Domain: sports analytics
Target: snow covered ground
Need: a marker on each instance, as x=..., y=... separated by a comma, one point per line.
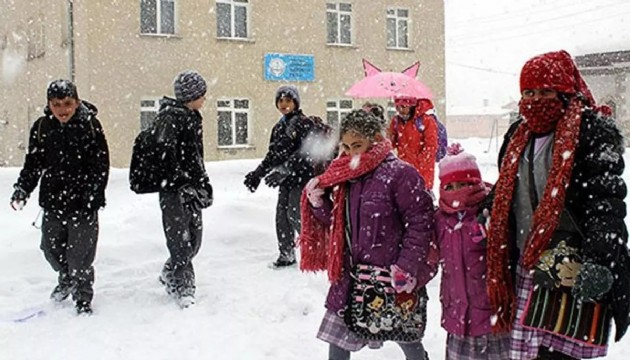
x=244, y=310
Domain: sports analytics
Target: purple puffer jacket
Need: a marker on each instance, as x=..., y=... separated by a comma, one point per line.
x=392, y=223
x=465, y=304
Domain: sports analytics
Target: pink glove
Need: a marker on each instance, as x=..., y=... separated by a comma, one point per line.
x=313, y=193
x=402, y=280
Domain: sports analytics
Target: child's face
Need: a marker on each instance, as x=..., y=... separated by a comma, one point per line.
x=353, y=143
x=403, y=109
x=456, y=185
x=63, y=109
x=285, y=105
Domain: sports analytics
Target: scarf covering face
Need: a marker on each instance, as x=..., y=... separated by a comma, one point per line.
x=555, y=71
x=463, y=199
x=321, y=248
x=541, y=115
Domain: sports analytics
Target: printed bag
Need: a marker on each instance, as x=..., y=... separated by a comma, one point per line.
x=552, y=308
x=377, y=312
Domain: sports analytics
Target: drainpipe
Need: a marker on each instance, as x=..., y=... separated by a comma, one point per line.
x=71, y=39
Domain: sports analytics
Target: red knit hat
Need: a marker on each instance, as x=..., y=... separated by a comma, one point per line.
x=458, y=165
x=556, y=71
x=405, y=101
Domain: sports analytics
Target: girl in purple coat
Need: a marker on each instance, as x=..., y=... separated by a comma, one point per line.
x=461, y=249
x=367, y=208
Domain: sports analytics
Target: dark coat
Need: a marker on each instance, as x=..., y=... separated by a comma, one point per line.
x=285, y=145
x=72, y=160
x=181, y=134
x=595, y=197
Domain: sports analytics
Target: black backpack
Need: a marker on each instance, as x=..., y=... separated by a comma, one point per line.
x=147, y=171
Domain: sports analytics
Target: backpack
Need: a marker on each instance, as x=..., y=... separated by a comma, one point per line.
x=441, y=133
x=147, y=173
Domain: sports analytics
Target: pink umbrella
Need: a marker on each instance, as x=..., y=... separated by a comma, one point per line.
x=378, y=84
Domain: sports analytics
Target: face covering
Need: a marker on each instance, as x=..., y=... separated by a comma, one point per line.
x=541, y=115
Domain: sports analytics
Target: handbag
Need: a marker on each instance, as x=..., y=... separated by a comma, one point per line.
x=377, y=312
x=551, y=306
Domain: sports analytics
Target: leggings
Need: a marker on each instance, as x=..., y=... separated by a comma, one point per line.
x=413, y=351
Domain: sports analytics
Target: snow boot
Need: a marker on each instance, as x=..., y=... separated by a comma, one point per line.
x=284, y=261
x=62, y=290
x=83, y=307
x=185, y=301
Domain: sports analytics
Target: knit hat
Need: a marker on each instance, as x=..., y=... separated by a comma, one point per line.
x=189, y=86
x=556, y=71
x=405, y=101
x=458, y=165
x=60, y=89
x=290, y=92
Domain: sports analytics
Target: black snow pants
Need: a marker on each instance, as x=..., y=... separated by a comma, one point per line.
x=183, y=228
x=69, y=245
x=288, y=222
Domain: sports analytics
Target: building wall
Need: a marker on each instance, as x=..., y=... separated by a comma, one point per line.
x=612, y=86
x=117, y=67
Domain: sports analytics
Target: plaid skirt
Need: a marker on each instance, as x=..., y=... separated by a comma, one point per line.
x=484, y=347
x=334, y=330
x=525, y=342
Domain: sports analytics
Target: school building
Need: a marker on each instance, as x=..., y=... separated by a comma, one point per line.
x=124, y=54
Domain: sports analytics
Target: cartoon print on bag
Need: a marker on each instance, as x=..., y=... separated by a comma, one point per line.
x=559, y=266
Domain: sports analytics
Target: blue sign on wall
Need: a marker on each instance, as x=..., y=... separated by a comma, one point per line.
x=288, y=67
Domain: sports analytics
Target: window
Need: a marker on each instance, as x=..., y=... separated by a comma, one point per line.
x=233, y=122
x=148, y=111
x=390, y=111
x=398, y=28
x=336, y=110
x=339, y=23
x=232, y=20
x=157, y=17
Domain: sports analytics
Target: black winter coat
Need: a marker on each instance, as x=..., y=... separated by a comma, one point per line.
x=180, y=132
x=72, y=160
x=595, y=197
x=285, y=149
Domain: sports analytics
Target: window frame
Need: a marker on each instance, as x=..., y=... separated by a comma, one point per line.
x=338, y=13
x=154, y=109
x=397, y=20
x=233, y=3
x=233, y=110
x=158, y=19
x=340, y=112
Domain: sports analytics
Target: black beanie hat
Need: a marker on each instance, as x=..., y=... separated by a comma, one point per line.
x=189, y=86
x=290, y=92
x=60, y=89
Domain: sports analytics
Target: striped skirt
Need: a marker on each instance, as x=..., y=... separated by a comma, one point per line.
x=484, y=347
x=525, y=342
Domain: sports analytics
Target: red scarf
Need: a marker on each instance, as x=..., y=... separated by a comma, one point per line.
x=321, y=248
x=545, y=217
x=466, y=198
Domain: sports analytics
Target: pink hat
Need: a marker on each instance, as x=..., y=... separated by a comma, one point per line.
x=458, y=166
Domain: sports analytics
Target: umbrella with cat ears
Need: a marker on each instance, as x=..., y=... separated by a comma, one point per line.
x=380, y=84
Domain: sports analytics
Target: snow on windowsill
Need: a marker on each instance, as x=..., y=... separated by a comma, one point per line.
x=235, y=39
x=236, y=147
x=156, y=35
x=399, y=49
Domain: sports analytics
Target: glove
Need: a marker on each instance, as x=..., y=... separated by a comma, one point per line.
x=275, y=179
x=592, y=282
x=18, y=199
x=402, y=281
x=313, y=193
x=194, y=199
x=252, y=180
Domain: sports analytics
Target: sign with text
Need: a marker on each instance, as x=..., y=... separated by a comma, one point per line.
x=289, y=67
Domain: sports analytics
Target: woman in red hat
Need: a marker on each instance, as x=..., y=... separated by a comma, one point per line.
x=557, y=220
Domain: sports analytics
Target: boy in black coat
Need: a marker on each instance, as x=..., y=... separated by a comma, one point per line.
x=68, y=151
x=187, y=190
x=287, y=167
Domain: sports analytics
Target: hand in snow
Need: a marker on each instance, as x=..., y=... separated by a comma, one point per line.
x=18, y=199
x=402, y=280
x=313, y=193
